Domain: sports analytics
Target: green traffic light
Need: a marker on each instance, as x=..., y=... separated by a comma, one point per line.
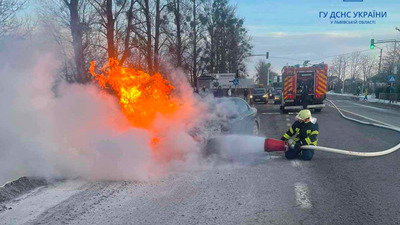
x=372, y=45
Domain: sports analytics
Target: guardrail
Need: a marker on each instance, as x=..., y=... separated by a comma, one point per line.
x=391, y=97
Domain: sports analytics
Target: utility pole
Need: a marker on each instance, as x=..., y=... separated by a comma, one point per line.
x=394, y=58
x=394, y=69
x=380, y=59
x=379, y=68
x=372, y=45
x=269, y=65
x=380, y=62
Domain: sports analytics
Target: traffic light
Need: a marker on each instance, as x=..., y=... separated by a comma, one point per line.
x=372, y=45
x=267, y=55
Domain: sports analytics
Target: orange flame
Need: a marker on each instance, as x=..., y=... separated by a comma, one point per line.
x=141, y=95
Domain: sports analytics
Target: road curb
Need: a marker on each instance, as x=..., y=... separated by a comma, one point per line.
x=357, y=99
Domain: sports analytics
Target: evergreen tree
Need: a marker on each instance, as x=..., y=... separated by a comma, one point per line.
x=228, y=43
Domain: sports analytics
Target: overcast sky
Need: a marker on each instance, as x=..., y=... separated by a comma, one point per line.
x=293, y=28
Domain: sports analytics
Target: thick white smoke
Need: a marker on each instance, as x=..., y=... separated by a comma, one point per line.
x=74, y=130
x=82, y=131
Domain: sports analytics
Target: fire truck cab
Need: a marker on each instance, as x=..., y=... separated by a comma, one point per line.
x=297, y=80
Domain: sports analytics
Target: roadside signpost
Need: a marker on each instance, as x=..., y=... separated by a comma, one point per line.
x=392, y=79
x=236, y=82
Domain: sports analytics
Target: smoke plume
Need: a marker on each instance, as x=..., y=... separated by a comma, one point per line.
x=72, y=130
x=56, y=129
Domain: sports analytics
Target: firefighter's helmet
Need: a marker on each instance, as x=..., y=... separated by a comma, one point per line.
x=304, y=116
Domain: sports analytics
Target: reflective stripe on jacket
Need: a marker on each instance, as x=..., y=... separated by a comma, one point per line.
x=306, y=133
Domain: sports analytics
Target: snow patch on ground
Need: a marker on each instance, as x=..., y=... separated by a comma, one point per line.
x=29, y=206
x=20, y=186
x=371, y=98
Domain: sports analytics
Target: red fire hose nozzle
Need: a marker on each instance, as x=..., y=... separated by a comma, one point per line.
x=274, y=145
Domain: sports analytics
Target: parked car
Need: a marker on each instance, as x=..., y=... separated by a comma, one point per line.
x=278, y=98
x=272, y=94
x=259, y=95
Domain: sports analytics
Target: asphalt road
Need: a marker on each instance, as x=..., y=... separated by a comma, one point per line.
x=266, y=189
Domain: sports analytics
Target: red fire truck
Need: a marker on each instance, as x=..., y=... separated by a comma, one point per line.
x=297, y=80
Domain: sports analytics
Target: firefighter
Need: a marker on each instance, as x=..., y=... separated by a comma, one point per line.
x=245, y=94
x=304, y=97
x=304, y=131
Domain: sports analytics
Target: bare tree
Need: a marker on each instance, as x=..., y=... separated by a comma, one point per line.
x=140, y=32
x=197, y=36
x=160, y=30
x=354, y=65
x=368, y=66
x=262, y=72
x=179, y=12
x=8, y=12
x=339, y=66
x=77, y=40
x=68, y=22
x=391, y=59
x=147, y=37
x=157, y=36
x=127, y=45
x=115, y=27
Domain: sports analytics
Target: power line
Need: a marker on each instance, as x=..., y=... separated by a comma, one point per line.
x=316, y=59
x=277, y=57
x=327, y=57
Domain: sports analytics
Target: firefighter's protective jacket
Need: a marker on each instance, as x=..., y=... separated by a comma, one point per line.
x=303, y=133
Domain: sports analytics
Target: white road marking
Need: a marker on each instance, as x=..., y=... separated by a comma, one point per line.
x=346, y=106
x=365, y=117
x=296, y=163
x=302, y=196
x=288, y=124
x=371, y=107
x=287, y=119
x=342, y=100
x=275, y=156
x=354, y=104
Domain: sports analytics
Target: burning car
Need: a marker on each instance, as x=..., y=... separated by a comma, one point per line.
x=227, y=116
x=231, y=116
x=235, y=116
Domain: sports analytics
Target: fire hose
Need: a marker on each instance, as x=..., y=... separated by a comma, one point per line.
x=346, y=152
